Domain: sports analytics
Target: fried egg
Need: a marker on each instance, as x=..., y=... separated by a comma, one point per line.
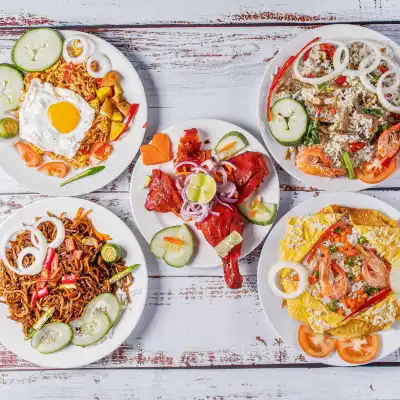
x=54, y=119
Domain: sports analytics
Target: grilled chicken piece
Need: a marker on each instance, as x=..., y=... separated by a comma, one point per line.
x=251, y=169
x=163, y=195
x=217, y=228
x=189, y=148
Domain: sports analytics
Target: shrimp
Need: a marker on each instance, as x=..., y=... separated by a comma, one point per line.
x=313, y=161
x=374, y=270
x=333, y=280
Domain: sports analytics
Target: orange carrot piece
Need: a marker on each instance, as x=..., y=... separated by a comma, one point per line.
x=227, y=147
x=174, y=240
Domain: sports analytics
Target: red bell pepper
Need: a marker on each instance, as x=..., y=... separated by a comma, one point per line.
x=49, y=259
x=34, y=298
x=355, y=146
x=287, y=64
x=340, y=80
x=324, y=236
x=66, y=279
x=370, y=302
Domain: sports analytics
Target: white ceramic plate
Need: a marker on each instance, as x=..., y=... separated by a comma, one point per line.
x=151, y=222
x=125, y=149
x=286, y=326
x=105, y=221
x=337, y=32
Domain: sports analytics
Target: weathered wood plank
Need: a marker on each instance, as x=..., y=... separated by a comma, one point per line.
x=78, y=12
x=191, y=73
x=290, y=384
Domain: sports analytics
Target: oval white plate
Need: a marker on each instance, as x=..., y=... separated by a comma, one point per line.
x=286, y=326
x=105, y=221
x=337, y=32
x=124, y=151
x=151, y=222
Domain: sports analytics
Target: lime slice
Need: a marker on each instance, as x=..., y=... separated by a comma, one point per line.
x=395, y=278
x=202, y=188
x=224, y=247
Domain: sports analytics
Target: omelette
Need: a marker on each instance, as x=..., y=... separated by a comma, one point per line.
x=348, y=254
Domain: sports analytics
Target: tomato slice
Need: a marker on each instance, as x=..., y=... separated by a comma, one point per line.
x=55, y=168
x=100, y=151
x=315, y=345
x=376, y=171
x=359, y=351
x=29, y=156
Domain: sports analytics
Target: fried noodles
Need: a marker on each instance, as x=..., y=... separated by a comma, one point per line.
x=74, y=77
x=92, y=274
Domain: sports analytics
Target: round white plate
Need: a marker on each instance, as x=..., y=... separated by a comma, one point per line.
x=125, y=148
x=337, y=32
x=286, y=326
x=105, y=221
x=151, y=222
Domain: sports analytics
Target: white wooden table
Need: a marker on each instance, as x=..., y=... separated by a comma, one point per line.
x=197, y=339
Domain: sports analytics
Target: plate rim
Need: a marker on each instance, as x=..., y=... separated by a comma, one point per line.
x=263, y=88
x=208, y=120
x=144, y=288
x=389, y=209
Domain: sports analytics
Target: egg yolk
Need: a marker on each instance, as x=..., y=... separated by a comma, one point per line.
x=64, y=116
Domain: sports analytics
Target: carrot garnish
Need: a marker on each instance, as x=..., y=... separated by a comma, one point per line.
x=174, y=240
x=227, y=147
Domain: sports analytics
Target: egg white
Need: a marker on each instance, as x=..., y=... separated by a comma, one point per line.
x=35, y=125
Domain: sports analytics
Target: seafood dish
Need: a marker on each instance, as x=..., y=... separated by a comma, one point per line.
x=338, y=275
x=212, y=190
x=335, y=105
x=63, y=281
x=62, y=104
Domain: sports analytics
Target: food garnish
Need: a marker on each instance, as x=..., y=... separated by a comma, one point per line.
x=359, y=350
x=158, y=151
x=230, y=144
x=8, y=127
x=128, y=270
x=55, y=168
x=29, y=156
x=111, y=253
x=314, y=345
x=84, y=174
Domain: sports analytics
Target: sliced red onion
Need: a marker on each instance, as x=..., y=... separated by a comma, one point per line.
x=186, y=163
x=200, y=169
x=178, y=185
x=233, y=166
x=228, y=200
x=224, y=204
x=206, y=210
x=210, y=164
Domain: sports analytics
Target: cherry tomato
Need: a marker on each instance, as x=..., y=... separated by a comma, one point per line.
x=55, y=168
x=375, y=171
x=315, y=345
x=360, y=350
x=28, y=155
x=100, y=151
x=355, y=146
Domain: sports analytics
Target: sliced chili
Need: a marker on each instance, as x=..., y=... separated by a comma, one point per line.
x=49, y=259
x=66, y=279
x=340, y=80
x=372, y=301
x=356, y=146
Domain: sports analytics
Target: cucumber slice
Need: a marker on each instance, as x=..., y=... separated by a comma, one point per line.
x=233, y=142
x=175, y=255
x=90, y=330
x=52, y=337
x=224, y=247
x=289, y=121
x=37, y=49
x=106, y=303
x=11, y=86
x=259, y=214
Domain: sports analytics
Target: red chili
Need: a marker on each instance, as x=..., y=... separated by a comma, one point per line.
x=370, y=302
x=323, y=237
x=54, y=264
x=34, y=298
x=132, y=112
x=328, y=49
x=49, y=258
x=332, y=110
x=355, y=146
x=340, y=80
x=43, y=293
x=306, y=54
x=383, y=69
x=287, y=64
x=66, y=279
x=319, y=111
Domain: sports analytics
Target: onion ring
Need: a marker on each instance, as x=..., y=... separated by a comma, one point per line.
x=303, y=279
x=339, y=66
x=59, y=239
x=381, y=95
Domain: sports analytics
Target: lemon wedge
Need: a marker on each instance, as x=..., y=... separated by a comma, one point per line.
x=201, y=188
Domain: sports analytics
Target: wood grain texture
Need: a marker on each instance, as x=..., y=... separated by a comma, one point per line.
x=86, y=12
x=357, y=383
x=193, y=73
